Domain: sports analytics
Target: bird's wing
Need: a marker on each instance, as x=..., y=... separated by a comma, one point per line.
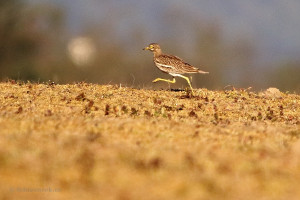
x=169, y=60
x=176, y=63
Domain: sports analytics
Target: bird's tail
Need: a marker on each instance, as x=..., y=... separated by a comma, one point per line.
x=202, y=72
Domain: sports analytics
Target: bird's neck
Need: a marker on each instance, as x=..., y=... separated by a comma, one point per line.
x=158, y=52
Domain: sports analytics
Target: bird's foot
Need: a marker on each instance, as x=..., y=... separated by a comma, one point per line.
x=189, y=92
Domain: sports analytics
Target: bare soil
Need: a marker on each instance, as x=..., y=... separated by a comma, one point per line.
x=89, y=141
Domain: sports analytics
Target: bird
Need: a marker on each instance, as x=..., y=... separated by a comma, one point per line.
x=171, y=65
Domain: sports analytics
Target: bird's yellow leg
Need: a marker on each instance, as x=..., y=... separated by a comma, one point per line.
x=188, y=80
x=166, y=80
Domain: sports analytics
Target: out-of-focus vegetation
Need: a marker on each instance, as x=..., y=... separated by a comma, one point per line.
x=90, y=141
x=31, y=40
x=34, y=43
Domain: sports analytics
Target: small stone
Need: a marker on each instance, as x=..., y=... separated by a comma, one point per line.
x=272, y=93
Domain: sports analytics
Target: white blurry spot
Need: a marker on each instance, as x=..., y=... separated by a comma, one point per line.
x=82, y=51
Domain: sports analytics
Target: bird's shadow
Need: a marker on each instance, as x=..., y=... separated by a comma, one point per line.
x=187, y=95
x=177, y=90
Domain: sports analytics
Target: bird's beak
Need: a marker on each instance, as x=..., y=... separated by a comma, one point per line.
x=146, y=48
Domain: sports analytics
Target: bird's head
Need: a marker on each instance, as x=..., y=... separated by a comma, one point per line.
x=154, y=47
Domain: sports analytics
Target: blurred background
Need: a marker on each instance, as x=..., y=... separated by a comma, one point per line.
x=241, y=43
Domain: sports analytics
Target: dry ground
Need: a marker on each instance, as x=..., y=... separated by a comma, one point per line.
x=87, y=141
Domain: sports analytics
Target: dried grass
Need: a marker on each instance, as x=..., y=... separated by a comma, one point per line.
x=92, y=141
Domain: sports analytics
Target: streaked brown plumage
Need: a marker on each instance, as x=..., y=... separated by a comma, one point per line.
x=170, y=64
x=177, y=65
